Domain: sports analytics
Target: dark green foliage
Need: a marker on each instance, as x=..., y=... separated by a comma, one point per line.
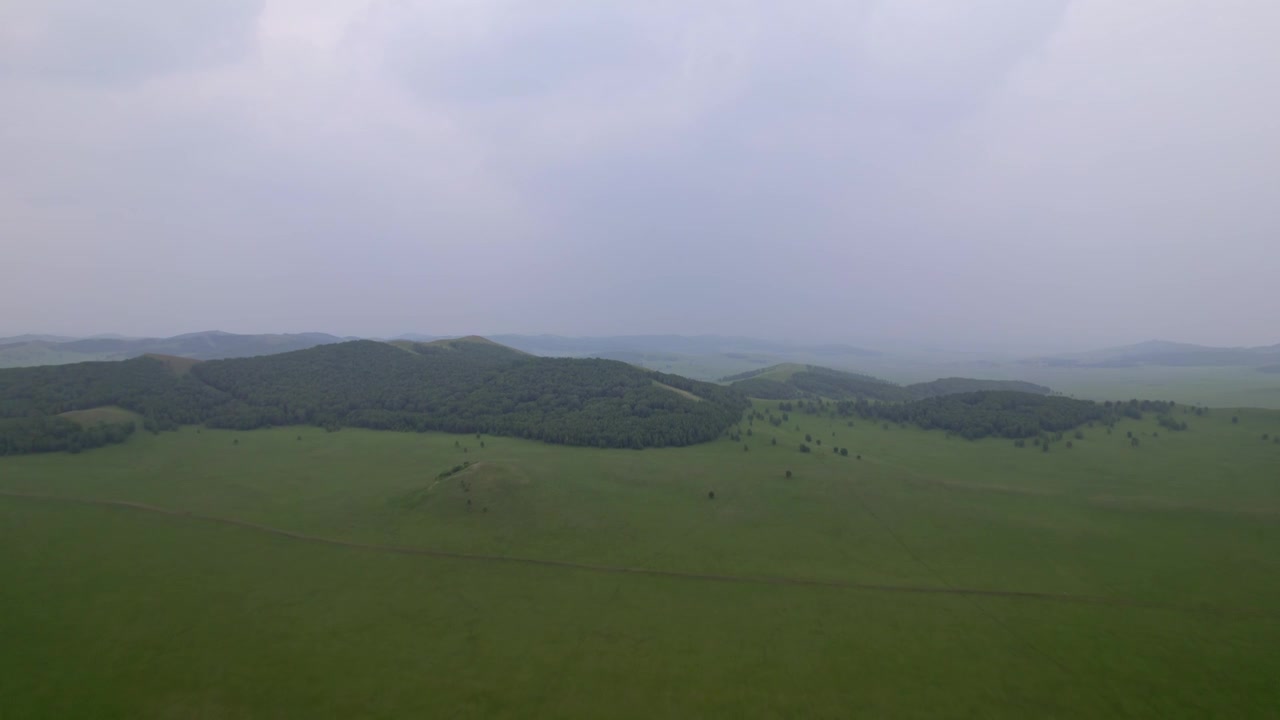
x=844, y=452
x=1171, y=423
x=998, y=413
x=43, y=433
x=958, y=385
x=1133, y=442
x=821, y=382
x=804, y=448
x=773, y=441
x=461, y=387
x=842, y=385
x=1235, y=420
x=788, y=474
x=144, y=385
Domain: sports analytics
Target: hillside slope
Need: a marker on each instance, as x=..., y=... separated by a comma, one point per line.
x=789, y=381
x=464, y=385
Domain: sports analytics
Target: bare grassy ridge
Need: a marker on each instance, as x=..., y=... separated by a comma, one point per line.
x=112, y=611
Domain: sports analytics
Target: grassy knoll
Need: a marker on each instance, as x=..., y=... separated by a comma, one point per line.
x=1166, y=558
x=101, y=415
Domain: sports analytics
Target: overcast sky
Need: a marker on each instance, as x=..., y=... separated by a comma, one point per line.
x=981, y=172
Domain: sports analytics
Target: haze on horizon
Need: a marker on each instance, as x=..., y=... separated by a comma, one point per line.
x=998, y=173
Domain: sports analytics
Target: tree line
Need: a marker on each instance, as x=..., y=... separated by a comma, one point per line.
x=1005, y=414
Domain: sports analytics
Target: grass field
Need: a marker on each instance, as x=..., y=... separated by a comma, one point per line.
x=933, y=577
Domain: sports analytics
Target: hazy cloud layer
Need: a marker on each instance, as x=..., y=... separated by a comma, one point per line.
x=994, y=172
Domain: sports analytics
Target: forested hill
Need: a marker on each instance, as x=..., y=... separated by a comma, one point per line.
x=467, y=385
x=788, y=382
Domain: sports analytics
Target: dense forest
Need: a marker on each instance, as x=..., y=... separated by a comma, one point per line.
x=454, y=386
x=50, y=433
x=811, y=381
x=1005, y=414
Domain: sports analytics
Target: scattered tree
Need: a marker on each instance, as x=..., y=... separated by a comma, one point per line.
x=788, y=474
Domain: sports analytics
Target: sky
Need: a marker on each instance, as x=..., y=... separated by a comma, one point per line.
x=1008, y=173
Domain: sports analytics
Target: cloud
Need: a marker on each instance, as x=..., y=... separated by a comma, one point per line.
x=964, y=172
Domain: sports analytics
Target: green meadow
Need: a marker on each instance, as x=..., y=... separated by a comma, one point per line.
x=933, y=577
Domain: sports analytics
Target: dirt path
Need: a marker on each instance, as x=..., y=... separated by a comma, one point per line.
x=617, y=569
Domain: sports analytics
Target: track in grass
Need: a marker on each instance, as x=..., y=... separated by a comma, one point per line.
x=618, y=569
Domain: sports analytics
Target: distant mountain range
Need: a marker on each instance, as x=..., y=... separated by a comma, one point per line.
x=27, y=350
x=622, y=347
x=1163, y=353
x=705, y=357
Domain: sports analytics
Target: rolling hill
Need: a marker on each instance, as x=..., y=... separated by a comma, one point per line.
x=460, y=385
x=30, y=350
x=791, y=381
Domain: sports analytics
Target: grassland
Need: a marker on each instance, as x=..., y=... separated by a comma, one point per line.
x=933, y=577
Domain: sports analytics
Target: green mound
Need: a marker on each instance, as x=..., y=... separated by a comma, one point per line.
x=790, y=381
